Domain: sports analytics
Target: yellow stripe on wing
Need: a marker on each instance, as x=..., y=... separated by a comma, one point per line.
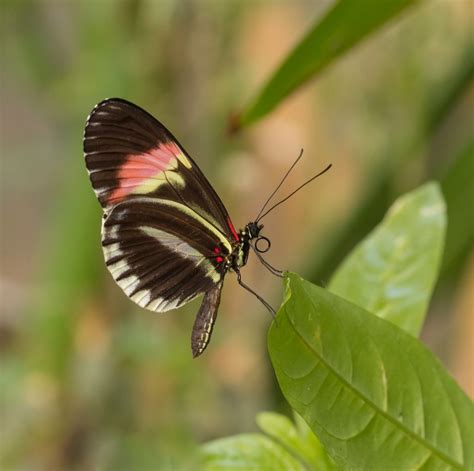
x=220, y=235
x=183, y=249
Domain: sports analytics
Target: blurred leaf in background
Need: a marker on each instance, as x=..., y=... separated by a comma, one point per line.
x=392, y=272
x=343, y=26
x=283, y=445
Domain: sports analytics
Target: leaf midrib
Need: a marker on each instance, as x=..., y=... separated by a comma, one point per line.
x=367, y=401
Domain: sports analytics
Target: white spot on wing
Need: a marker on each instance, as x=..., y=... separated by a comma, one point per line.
x=101, y=113
x=129, y=284
x=112, y=231
x=142, y=298
x=118, y=268
x=162, y=305
x=112, y=250
x=173, y=243
x=153, y=306
x=182, y=249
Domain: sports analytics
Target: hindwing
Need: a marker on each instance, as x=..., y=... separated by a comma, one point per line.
x=161, y=254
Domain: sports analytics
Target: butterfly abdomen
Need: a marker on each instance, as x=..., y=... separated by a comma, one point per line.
x=205, y=319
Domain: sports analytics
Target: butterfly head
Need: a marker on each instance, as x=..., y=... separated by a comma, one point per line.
x=253, y=230
x=261, y=244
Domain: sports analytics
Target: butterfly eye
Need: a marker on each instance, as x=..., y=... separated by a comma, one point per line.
x=262, y=244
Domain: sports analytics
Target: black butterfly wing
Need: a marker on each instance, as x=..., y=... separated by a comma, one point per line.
x=129, y=153
x=161, y=268
x=160, y=253
x=165, y=233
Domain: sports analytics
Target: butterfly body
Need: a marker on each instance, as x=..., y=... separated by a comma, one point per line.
x=166, y=235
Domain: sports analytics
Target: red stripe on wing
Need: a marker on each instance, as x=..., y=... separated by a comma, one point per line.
x=232, y=229
x=141, y=167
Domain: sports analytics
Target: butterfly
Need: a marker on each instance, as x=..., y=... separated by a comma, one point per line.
x=166, y=235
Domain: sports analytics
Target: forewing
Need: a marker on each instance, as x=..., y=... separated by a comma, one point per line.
x=205, y=318
x=161, y=253
x=130, y=154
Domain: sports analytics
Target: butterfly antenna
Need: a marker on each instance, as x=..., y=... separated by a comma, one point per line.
x=280, y=184
x=293, y=192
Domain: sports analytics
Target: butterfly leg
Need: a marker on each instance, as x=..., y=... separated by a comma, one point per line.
x=272, y=270
x=250, y=290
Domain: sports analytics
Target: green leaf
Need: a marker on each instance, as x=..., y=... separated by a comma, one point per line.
x=392, y=272
x=285, y=447
x=442, y=100
x=247, y=452
x=307, y=436
x=458, y=190
x=374, y=395
x=299, y=440
x=347, y=23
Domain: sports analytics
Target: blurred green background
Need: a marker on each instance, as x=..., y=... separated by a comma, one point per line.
x=88, y=380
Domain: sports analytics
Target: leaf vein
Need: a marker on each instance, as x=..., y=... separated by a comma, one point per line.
x=424, y=443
